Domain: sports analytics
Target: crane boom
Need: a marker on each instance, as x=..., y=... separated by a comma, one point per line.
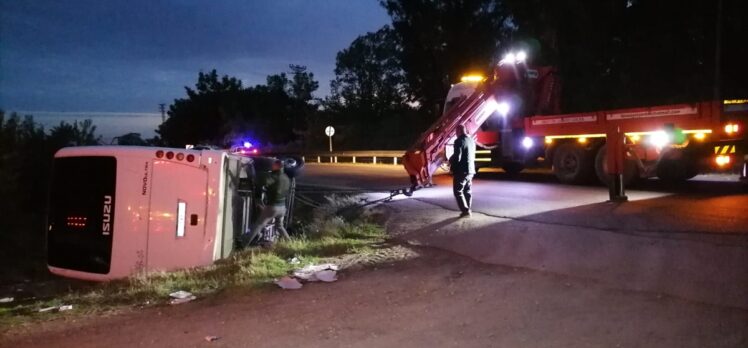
x=426, y=155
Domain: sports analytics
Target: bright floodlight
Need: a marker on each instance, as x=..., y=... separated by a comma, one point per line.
x=491, y=106
x=509, y=58
x=659, y=139
x=527, y=142
x=503, y=108
x=521, y=56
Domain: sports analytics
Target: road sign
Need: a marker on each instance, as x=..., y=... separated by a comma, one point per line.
x=330, y=131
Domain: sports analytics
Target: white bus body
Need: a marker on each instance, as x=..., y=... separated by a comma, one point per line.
x=118, y=210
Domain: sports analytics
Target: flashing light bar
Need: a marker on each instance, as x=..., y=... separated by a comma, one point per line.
x=472, y=78
x=735, y=101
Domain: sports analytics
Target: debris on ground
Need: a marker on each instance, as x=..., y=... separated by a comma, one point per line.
x=288, y=283
x=56, y=308
x=294, y=261
x=181, y=296
x=6, y=300
x=311, y=273
x=327, y=276
x=212, y=338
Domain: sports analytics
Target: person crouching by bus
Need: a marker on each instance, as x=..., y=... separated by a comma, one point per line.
x=277, y=185
x=462, y=164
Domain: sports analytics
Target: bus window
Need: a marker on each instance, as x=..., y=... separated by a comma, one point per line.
x=81, y=220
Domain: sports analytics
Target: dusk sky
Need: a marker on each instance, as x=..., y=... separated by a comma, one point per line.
x=128, y=56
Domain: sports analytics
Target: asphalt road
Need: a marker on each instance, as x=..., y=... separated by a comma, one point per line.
x=689, y=241
x=711, y=205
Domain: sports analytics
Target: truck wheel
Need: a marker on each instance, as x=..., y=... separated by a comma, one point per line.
x=513, y=168
x=572, y=164
x=676, y=168
x=630, y=170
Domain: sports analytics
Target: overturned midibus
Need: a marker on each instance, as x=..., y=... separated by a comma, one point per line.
x=115, y=211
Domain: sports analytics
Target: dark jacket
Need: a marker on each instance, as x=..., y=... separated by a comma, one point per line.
x=277, y=184
x=463, y=159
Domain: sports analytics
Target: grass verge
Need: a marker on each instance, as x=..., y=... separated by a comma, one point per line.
x=326, y=237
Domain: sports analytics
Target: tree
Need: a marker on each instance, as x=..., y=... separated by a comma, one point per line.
x=369, y=73
x=131, y=139
x=75, y=134
x=442, y=40
x=202, y=116
x=640, y=52
x=302, y=84
x=219, y=110
x=369, y=95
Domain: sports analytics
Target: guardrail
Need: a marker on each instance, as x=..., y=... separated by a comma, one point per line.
x=371, y=157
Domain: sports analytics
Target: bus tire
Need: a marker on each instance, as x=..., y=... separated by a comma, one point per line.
x=630, y=170
x=573, y=164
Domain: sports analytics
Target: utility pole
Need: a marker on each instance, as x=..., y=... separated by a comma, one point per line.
x=162, y=107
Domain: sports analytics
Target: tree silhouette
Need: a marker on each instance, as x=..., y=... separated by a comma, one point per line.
x=219, y=110
x=442, y=40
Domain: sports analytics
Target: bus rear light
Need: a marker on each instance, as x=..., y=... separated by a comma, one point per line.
x=180, y=156
x=159, y=154
x=722, y=160
x=169, y=155
x=190, y=158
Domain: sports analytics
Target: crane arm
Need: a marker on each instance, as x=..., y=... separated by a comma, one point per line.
x=426, y=155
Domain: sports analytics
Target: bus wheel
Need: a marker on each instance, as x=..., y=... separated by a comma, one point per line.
x=513, y=168
x=630, y=170
x=572, y=164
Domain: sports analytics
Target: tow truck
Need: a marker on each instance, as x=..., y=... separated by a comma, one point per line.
x=517, y=120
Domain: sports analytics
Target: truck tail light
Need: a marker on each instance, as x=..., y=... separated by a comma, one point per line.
x=732, y=128
x=723, y=160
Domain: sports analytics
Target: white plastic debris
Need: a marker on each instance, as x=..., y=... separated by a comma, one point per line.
x=47, y=309
x=6, y=300
x=65, y=308
x=327, y=276
x=288, y=283
x=309, y=272
x=181, y=296
x=294, y=261
x=212, y=338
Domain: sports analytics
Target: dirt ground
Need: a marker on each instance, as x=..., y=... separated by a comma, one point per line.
x=436, y=299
